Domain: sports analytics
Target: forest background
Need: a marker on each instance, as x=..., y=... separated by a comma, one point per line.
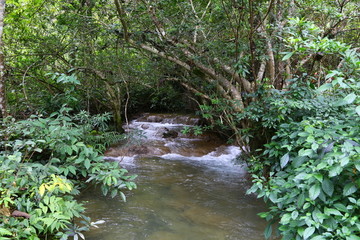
x=279, y=78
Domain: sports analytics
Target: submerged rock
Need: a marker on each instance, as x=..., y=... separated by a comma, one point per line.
x=154, y=118
x=170, y=133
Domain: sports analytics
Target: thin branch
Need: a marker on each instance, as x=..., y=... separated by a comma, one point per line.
x=23, y=81
x=122, y=15
x=266, y=14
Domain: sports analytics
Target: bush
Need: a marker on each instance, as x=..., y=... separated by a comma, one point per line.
x=312, y=162
x=44, y=164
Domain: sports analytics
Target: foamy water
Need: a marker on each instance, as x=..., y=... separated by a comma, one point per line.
x=207, y=149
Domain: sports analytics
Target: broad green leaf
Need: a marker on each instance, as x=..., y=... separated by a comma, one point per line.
x=285, y=219
x=306, y=152
x=314, y=146
x=353, y=237
x=357, y=166
x=123, y=197
x=334, y=171
x=341, y=207
x=324, y=87
x=350, y=98
x=287, y=56
x=318, y=176
x=113, y=193
x=284, y=160
x=301, y=200
x=357, y=109
x=300, y=176
x=318, y=238
x=5, y=232
x=346, y=100
x=309, y=129
x=314, y=191
x=331, y=211
x=87, y=163
x=344, y=161
x=308, y=232
x=268, y=231
x=297, y=161
x=294, y=214
x=328, y=187
x=332, y=74
x=349, y=189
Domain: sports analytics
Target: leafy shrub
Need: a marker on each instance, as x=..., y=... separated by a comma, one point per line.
x=44, y=164
x=312, y=162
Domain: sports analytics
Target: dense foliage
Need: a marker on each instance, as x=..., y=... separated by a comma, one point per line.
x=45, y=161
x=309, y=171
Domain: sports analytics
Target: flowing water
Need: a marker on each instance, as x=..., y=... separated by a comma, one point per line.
x=188, y=188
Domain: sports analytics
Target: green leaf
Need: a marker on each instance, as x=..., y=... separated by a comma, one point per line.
x=297, y=161
x=268, y=231
x=5, y=232
x=328, y=187
x=287, y=56
x=87, y=163
x=346, y=100
x=123, y=197
x=331, y=211
x=350, y=98
x=332, y=74
x=301, y=200
x=318, y=238
x=344, y=161
x=357, y=110
x=357, y=166
x=308, y=232
x=284, y=160
x=341, y=207
x=285, y=219
x=318, y=176
x=306, y=152
x=349, y=189
x=353, y=237
x=334, y=171
x=324, y=87
x=114, y=193
x=294, y=214
x=314, y=191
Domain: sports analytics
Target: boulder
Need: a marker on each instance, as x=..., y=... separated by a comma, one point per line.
x=170, y=134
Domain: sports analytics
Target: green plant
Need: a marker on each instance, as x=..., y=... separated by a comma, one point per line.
x=312, y=163
x=44, y=164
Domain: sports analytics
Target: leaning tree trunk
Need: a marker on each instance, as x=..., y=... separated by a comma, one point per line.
x=2, y=67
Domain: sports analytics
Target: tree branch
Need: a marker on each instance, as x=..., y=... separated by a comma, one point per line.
x=122, y=15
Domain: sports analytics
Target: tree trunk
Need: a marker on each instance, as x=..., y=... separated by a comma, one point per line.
x=2, y=67
x=115, y=99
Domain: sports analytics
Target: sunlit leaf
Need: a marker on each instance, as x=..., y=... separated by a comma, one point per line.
x=357, y=109
x=284, y=160
x=308, y=232
x=349, y=189
x=287, y=56
x=314, y=191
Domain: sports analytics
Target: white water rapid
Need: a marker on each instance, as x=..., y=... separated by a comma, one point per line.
x=161, y=135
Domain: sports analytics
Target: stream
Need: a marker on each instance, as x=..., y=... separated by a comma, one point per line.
x=188, y=188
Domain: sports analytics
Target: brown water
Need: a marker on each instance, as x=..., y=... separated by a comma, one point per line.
x=180, y=196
